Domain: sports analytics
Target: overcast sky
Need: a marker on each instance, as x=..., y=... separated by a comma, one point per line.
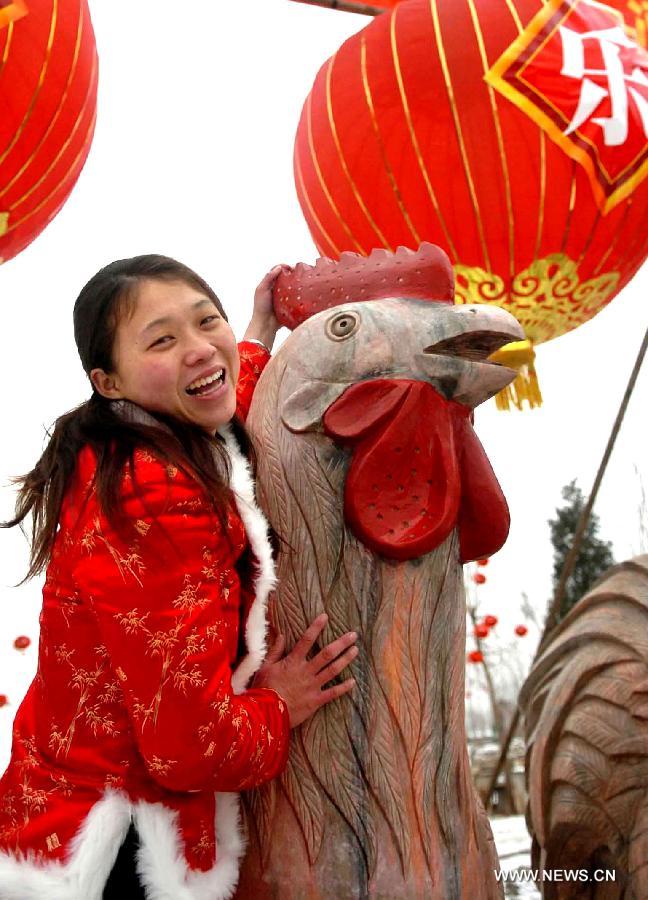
x=198, y=105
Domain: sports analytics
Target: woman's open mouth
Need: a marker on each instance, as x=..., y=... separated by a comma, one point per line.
x=203, y=387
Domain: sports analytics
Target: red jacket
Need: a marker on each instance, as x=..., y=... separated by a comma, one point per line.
x=139, y=707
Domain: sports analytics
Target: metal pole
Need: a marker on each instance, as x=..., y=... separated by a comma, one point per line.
x=554, y=610
x=364, y=9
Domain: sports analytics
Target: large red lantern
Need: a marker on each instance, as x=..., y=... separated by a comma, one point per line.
x=48, y=93
x=510, y=132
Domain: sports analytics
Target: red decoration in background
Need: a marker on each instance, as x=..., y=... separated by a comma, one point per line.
x=22, y=642
x=478, y=578
x=424, y=274
x=481, y=631
x=403, y=139
x=521, y=630
x=491, y=621
x=482, y=562
x=475, y=656
x=48, y=92
x=403, y=511
x=4, y=700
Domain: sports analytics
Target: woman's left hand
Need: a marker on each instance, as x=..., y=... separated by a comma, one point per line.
x=264, y=325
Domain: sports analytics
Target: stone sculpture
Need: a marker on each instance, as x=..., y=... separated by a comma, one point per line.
x=586, y=716
x=378, y=488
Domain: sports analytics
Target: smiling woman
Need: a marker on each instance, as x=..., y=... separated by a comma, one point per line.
x=159, y=568
x=183, y=363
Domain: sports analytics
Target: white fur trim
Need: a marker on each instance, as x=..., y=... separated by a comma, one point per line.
x=161, y=861
x=256, y=528
x=84, y=873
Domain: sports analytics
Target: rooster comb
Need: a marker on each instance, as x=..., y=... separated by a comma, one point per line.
x=423, y=274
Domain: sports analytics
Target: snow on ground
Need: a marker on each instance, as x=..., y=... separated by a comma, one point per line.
x=514, y=848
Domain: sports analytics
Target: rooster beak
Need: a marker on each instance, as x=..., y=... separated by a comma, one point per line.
x=458, y=364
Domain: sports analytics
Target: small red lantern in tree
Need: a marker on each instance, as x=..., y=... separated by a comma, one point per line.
x=490, y=621
x=22, y=642
x=482, y=562
x=481, y=630
x=4, y=700
x=479, y=578
x=475, y=656
x=521, y=630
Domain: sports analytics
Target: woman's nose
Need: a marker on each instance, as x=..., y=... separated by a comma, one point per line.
x=198, y=349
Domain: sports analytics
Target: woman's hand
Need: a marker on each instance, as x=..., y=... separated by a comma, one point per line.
x=263, y=324
x=299, y=680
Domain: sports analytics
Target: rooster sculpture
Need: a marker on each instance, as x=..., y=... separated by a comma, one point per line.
x=586, y=715
x=371, y=474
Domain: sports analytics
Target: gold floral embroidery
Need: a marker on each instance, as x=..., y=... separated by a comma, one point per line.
x=205, y=846
x=130, y=563
x=165, y=644
x=87, y=683
x=161, y=766
x=188, y=598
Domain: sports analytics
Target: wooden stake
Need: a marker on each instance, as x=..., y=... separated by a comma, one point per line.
x=554, y=610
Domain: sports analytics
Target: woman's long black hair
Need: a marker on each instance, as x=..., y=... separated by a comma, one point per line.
x=107, y=296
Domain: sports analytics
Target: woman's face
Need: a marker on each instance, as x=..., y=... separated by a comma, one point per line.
x=171, y=342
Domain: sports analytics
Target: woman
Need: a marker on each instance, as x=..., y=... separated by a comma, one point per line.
x=153, y=621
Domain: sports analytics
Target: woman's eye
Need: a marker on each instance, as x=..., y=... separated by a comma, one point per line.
x=161, y=340
x=209, y=320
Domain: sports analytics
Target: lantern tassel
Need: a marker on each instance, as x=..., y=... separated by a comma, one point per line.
x=519, y=355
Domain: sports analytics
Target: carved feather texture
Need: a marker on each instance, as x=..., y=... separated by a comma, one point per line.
x=259, y=809
x=586, y=701
x=305, y=800
x=380, y=764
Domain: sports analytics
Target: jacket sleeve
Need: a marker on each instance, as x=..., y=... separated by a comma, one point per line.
x=159, y=607
x=254, y=359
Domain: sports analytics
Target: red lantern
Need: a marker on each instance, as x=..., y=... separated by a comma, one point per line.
x=461, y=124
x=478, y=578
x=490, y=621
x=482, y=562
x=475, y=656
x=48, y=86
x=481, y=631
x=22, y=642
x=636, y=18
x=521, y=630
x=4, y=700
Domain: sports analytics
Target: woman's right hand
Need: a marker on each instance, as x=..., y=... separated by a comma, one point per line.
x=299, y=680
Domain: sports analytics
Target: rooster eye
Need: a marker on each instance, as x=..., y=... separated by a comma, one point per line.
x=342, y=326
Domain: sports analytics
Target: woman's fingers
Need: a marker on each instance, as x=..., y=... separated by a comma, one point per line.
x=276, y=651
x=326, y=656
x=329, y=672
x=338, y=690
x=308, y=638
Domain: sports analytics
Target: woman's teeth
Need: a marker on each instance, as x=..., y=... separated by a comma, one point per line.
x=200, y=385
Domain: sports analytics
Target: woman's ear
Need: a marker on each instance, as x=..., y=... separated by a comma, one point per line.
x=106, y=384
